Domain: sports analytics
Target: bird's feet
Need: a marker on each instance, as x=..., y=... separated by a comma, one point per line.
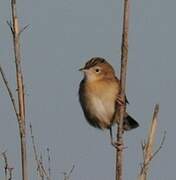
x=118, y=145
x=120, y=101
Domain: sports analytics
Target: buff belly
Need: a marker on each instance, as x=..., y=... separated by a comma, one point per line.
x=100, y=112
x=98, y=99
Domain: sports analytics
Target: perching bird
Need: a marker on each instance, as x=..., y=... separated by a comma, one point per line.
x=99, y=96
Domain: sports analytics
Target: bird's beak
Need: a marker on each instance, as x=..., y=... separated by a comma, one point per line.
x=82, y=69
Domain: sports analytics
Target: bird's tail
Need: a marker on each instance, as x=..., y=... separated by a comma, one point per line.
x=129, y=123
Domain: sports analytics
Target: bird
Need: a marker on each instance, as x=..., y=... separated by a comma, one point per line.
x=99, y=96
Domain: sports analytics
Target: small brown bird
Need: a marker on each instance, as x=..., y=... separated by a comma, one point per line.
x=99, y=96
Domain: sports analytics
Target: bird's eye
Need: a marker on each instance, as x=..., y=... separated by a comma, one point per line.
x=97, y=70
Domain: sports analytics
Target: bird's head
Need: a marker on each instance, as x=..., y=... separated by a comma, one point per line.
x=97, y=69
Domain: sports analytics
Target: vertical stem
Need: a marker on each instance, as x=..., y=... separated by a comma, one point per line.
x=20, y=89
x=124, y=60
x=148, y=148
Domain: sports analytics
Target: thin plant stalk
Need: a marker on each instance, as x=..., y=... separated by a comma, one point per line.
x=123, y=72
x=20, y=89
x=148, y=147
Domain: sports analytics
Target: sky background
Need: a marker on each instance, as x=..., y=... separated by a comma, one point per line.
x=61, y=37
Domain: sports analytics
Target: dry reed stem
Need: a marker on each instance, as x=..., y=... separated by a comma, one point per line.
x=148, y=147
x=20, y=89
x=20, y=111
x=123, y=72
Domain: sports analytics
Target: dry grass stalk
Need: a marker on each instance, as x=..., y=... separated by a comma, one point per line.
x=41, y=164
x=49, y=162
x=9, y=91
x=148, y=147
x=124, y=60
x=20, y=89
x=67, y=175
x=6, y=165
x=44, y=171
x=39, y=170
x=10, y=173
x=20, y=111
x=40, y=167
x=7, y=169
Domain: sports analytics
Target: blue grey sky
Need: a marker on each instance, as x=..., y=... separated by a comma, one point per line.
x=61, y=37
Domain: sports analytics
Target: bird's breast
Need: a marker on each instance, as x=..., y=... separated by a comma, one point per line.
x=100, y=103
x=101, y=108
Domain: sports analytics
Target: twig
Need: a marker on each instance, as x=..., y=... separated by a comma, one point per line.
x=67, y=175
x=35, y=153
x=49, y=162
x=10, y=173
x=9, y=91
x=143, y=148
x=7, y=169
x=71, y=171
x=39, y=162
x=43, y=168
x=44, y=172
x=34, y=149
x=6, y=164
x=160, y=147
x=124, y=60
x=148, y=148
x=23, y=29
x=9, y=23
